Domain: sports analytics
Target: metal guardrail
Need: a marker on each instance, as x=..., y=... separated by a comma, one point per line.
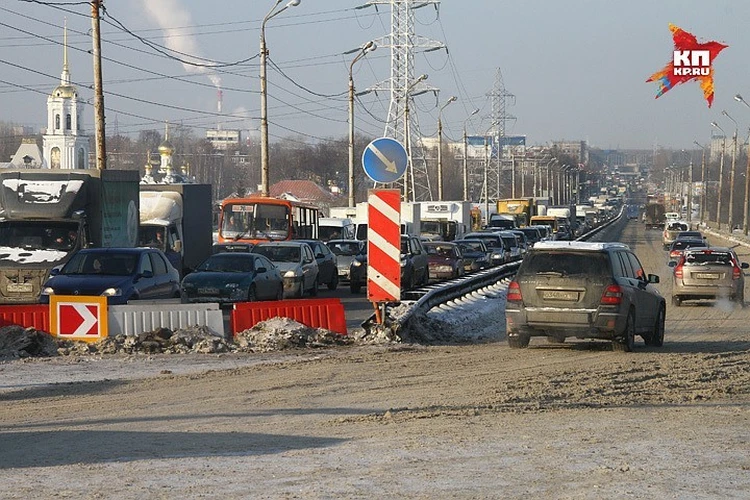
x=421, y=300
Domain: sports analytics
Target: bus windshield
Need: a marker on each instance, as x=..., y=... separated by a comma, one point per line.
x=255, y=220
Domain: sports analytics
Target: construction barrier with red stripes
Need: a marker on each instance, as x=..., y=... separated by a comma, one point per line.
x=315, y=313
x=31, y=315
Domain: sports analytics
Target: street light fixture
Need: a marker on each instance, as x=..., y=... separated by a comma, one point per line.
x=466, y=164
x=721, y=173
x=368, y=47
x=731, y=175
x=703, y=180
x=264, y=94
x=440, y=147
x=407, y=145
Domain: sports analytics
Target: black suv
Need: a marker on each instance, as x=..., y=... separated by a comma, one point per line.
x=584, y=290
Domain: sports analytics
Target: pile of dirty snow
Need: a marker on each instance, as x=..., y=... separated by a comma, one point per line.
x=19, y=342
x=277, y=334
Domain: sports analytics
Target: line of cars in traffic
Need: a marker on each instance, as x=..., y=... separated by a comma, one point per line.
x=701, y=271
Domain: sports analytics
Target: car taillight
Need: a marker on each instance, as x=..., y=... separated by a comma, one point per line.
x=514, y=292
x=678, y=269
x=674, y=253
x=612, y=295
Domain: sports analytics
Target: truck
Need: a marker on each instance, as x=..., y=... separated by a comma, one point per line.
x=445, y=220
x=177, y=219
x=653, y=216
x=47, y=215
x=410, y=219
x=336, y=228
x=567, y=212
x=523, y=209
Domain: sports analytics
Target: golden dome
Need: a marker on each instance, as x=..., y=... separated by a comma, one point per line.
x=166, y=147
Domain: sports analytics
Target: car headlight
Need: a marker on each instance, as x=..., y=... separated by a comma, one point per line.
x=356, y=263
x=443, y=269
x=403, y=263
x=112, y=292
x=232, y=285
x=292, y=274
x=497, y=254
x=48, y=290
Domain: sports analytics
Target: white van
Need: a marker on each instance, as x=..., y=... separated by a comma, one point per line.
x=335, y=228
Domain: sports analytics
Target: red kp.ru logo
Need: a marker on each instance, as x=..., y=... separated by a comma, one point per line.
x=690, y=61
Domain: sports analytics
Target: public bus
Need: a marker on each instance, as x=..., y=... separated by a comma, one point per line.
x=259, y=218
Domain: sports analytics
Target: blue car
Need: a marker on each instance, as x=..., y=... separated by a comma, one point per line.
x=233, y=277
x=120, y=274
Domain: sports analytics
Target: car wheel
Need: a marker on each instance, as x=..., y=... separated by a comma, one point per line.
x=518, y=341
x=406, y=283
x=334, y=283
x=301, y=292
x=314, y=289
x=251, y=295
x=624, y=343
x=656, y=339
x=740, y=299
x=676, y=300
x=355, y=287
x=280, y=292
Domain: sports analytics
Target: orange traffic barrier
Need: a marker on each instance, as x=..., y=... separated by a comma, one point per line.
x=31, y=315
x=315, y=313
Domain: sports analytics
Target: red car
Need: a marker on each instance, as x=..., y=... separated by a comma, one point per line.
x=445, y=260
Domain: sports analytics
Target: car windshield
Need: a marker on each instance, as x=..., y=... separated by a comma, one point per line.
x=471, y=246
x=279, y=253
x=566, y=263
x=223, y=263
x=439, y=250
x=109, y=263
x=684, y=235
x=683, y=244
x=706, y=258
x=346, y=249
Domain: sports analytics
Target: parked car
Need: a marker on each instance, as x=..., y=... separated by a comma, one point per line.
x=584, y=290
x=358, y=271
x=708, y=273
x=120, y=274
x=679, y=246
x=345, y=251
x=296, y=263
x=233, y=277
x=476, y=254
x=415, y=269
x=444, y=259
x=232, y=247
x=327, y=264
x=499, y=249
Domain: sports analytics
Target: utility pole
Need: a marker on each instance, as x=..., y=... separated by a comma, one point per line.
x=101, y=151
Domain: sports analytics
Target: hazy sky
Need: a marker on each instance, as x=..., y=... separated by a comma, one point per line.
x=577, y=68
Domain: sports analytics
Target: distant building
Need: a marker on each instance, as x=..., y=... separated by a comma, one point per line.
x=28, y=156
x=576, y=149
x=222, y=139
x=65, y=144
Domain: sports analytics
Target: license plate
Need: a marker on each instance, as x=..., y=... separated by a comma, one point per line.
x=559, y=295
x=208, y=291
x=707, y=276
x=20, y=287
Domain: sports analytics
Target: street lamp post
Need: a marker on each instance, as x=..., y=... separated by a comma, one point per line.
x=703, y=180
x=409, y=168
x=747, y=178
x=264, y=94
x=466, y=160
x=368, y=47
x=731, y=175
x=440, y=147
x=721, y=173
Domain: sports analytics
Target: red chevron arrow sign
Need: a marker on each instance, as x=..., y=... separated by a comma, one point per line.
x=384, y=245
x=78, y=318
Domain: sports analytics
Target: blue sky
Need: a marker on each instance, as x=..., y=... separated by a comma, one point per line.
x=577, y=68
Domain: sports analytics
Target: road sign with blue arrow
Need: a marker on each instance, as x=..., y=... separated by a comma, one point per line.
x=384, y=160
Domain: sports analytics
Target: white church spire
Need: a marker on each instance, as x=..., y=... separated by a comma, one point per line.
x=65, y=75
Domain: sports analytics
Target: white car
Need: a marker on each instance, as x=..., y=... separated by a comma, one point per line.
x=297, y=265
